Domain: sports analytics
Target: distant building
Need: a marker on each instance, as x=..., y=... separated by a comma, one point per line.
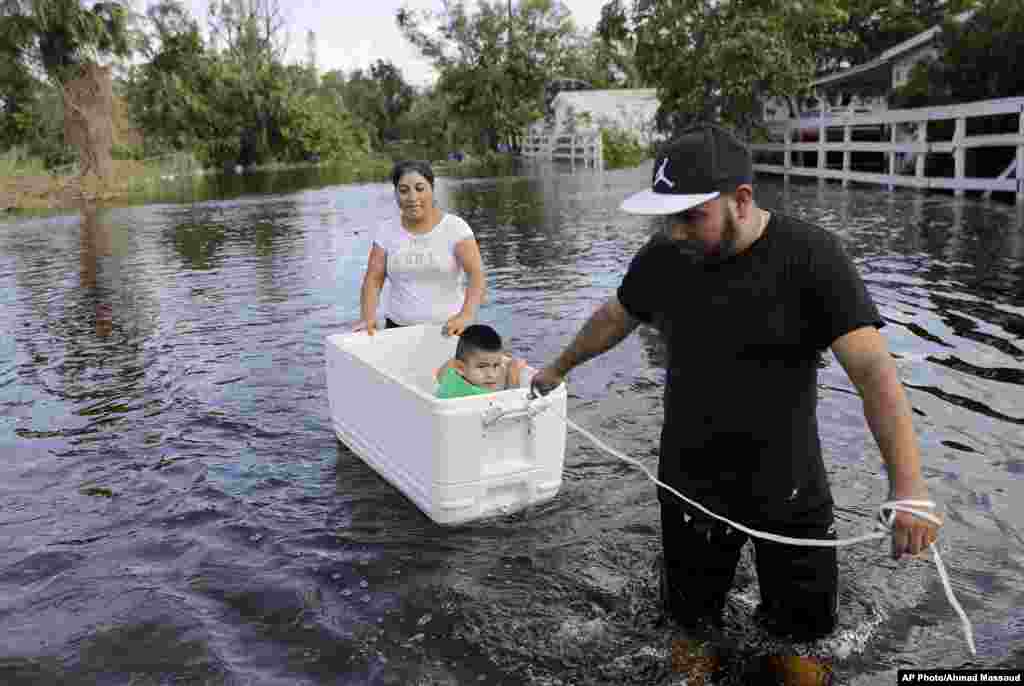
x=862, y=89
x=630, y=109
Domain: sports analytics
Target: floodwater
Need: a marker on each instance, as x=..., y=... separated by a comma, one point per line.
x=175, y=509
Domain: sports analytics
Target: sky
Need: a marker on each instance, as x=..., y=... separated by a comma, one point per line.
x=352, y=34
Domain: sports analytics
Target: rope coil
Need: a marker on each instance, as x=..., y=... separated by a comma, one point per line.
x=886, y=517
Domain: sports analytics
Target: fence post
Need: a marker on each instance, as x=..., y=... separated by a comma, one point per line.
x=787, y=159
x=914, y=141
x=600, y=151
x=959, y=153
x=1020, y=160
x=892, y=153
x=922, y=139
x=847, y=137
x=822, y=140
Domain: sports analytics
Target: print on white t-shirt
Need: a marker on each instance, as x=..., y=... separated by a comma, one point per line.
x=427, y=282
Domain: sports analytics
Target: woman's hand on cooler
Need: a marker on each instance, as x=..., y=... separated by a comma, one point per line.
x=368, y=325
x=545, y=381
x=455, y=325
x=514, y=367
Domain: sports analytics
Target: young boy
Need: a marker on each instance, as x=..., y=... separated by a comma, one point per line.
x=480, y=366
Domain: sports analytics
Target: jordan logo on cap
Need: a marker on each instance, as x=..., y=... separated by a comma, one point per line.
x=660, y=176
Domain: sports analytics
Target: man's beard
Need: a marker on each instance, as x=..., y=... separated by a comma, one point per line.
x=694, y=250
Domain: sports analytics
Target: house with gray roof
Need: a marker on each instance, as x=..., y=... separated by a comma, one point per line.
x=629, y=109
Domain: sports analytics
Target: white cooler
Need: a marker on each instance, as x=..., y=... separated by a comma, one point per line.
x=457, y=460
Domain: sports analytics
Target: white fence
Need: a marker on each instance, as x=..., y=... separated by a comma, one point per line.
x=907, y=147
x=584, y=146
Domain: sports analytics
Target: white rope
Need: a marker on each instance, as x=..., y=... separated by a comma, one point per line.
x=886, y=515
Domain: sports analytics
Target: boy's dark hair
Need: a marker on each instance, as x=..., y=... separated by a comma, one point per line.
x=477, y=338
x=403, y=167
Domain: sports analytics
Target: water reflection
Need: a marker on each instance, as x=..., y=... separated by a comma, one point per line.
x=173, y=354
x=96, y=244
x=198, y=240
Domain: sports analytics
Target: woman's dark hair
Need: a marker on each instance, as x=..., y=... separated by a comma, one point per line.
x=403, y=167
x=477, y=338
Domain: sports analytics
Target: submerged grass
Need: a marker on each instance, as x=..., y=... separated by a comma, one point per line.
x=26, y=183
x=17, y=162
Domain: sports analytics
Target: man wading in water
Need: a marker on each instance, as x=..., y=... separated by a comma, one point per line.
x=747, y=301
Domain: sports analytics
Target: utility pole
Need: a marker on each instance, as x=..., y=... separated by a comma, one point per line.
x=311, y=53
x=508, y=36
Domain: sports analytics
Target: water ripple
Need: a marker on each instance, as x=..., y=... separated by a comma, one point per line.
x=176, y=508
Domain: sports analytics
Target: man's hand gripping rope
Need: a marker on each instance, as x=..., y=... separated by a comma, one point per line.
x=536, y=404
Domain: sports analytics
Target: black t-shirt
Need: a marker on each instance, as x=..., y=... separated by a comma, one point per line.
x=744, y=338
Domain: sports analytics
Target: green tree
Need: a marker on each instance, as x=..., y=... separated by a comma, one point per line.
x=877, y=25
x=981, y=57
x=251, y=32
x=602, y=65
x=311, y=121
x=249, y=41
x=276, y=113
x=333, y=82
x=493, y=64
x=18, y=92
x=238, y=103
x=378, y=98
x=43, y=43
x=167, y=92
x=59, y=35
x=395, y=96
x=715, y=60
x=430, y=123
x=615, y=49
x=311, y=128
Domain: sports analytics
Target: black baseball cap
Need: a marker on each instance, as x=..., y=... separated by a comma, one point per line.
x=696, y=166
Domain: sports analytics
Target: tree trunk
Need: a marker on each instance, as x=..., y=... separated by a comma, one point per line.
x=88, y=119
x=489, y=138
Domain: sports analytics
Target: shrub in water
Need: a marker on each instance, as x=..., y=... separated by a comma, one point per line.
x=621, y=148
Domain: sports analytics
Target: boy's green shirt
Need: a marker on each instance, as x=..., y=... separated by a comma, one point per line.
x=452, y=385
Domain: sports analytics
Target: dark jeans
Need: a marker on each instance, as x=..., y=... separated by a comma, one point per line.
x=798, y=583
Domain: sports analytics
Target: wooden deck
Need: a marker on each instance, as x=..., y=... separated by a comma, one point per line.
x=906, y=150
x=584, y=146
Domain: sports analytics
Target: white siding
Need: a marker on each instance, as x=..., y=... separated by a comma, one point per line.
x=629, y=109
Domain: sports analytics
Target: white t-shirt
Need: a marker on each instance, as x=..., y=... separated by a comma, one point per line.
x=427, y=283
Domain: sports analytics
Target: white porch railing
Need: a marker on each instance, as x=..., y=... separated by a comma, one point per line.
x=906, y=153
x=584, y=146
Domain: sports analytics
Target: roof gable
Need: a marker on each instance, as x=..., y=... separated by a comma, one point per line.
x=921, y=40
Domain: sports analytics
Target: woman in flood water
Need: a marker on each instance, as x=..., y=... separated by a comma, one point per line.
x=428, y=255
